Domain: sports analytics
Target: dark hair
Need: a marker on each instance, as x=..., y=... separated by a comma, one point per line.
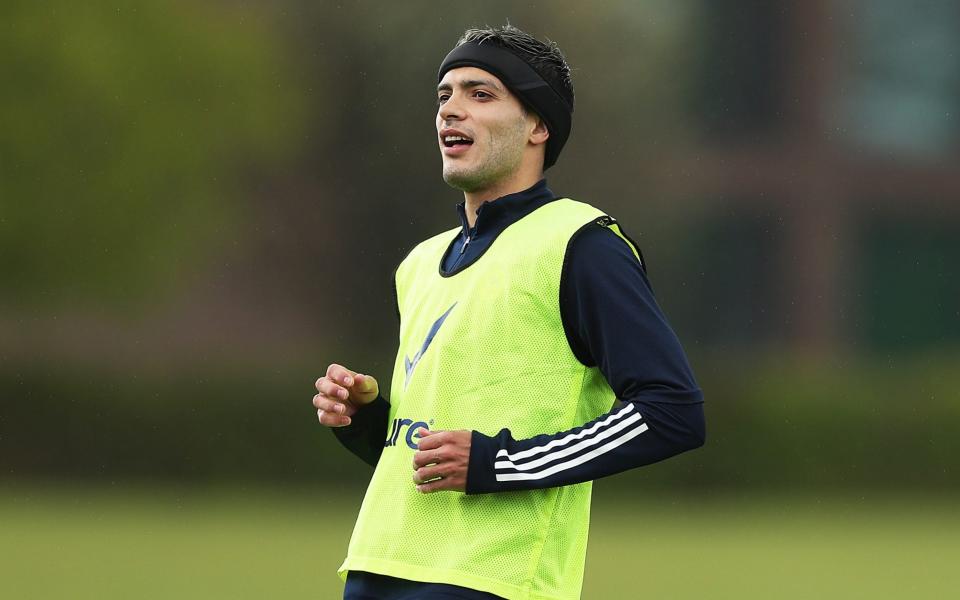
x=544, y=57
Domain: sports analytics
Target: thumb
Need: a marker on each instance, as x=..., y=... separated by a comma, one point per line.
x=365, y=382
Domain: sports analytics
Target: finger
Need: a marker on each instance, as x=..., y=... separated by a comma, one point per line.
x=426, y=474
x=422, y=458
x=331, y=419
x=431, y=440
x=331, y=389
x=328, y=404
x=323, y=381
x=340, y=374
x=438, y=485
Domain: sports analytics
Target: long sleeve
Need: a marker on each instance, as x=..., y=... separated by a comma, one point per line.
x=612, y=322
x=364, y=436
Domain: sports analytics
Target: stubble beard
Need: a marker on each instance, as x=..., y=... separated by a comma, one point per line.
x=503, y=159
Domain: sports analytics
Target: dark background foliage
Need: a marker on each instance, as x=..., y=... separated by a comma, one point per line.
x=201, y=206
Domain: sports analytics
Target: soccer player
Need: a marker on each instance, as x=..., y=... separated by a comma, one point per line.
x=533, y=358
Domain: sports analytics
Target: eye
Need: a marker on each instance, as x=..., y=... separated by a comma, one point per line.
x=482, y=95
x=442, y=98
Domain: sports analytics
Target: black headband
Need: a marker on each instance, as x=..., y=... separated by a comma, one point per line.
x=523, y=81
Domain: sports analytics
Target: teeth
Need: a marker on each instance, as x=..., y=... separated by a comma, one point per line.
x=455, y=138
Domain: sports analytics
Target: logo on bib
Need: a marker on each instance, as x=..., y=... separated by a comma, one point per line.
x=410, y=365
x=396, y=429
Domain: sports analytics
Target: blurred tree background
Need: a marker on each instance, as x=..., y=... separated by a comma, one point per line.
x=202, y=204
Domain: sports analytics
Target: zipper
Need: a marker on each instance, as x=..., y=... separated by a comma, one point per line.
x=464, y=246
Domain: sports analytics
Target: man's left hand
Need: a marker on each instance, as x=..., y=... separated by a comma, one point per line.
x=443, y=454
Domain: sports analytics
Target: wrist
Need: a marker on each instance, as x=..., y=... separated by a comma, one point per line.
x=480, y=472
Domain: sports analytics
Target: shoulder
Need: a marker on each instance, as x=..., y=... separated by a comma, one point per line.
x=597, y=236
x=600, y=254
x=592, y=219
x=604, y=237
x=557, y=223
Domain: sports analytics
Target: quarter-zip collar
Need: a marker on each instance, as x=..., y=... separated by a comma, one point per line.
x=504, y=210
x=493, y=217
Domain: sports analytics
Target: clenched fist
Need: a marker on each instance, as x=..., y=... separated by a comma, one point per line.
x=341, y=393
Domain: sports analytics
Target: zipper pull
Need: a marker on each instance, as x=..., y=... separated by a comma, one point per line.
x=464, y=246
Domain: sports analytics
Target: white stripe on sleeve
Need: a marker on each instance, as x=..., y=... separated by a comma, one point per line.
x=626, y=437
x=572, y=449
x=568, y=438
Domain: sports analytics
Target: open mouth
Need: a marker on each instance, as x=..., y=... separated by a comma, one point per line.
x=456, y=141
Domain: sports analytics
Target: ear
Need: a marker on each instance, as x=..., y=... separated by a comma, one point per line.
x=540, y=133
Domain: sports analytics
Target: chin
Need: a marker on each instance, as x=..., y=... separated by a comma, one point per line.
x=462, y=180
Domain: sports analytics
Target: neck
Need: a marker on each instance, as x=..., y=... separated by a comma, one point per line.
x=517, y=182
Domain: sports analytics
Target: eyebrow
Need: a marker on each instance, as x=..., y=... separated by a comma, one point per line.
x=470, y=83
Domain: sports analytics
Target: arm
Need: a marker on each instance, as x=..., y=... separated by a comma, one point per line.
x=633, y=434
x=364, y=436
x=612, y=322
x=350, y=403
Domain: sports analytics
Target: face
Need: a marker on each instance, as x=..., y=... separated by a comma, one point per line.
x=482, y=128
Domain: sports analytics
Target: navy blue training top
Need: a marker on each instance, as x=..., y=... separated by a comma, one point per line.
x=612, y=321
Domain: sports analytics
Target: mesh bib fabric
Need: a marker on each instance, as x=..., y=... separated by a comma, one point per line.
x=484, y=349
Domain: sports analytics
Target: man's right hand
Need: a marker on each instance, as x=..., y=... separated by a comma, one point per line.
x=342, y=393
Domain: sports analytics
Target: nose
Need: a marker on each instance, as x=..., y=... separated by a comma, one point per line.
x=452, y=109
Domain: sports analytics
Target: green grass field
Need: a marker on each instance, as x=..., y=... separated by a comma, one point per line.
x=65, y=543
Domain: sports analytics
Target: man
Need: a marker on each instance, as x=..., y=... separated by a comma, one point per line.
x=533, y=358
